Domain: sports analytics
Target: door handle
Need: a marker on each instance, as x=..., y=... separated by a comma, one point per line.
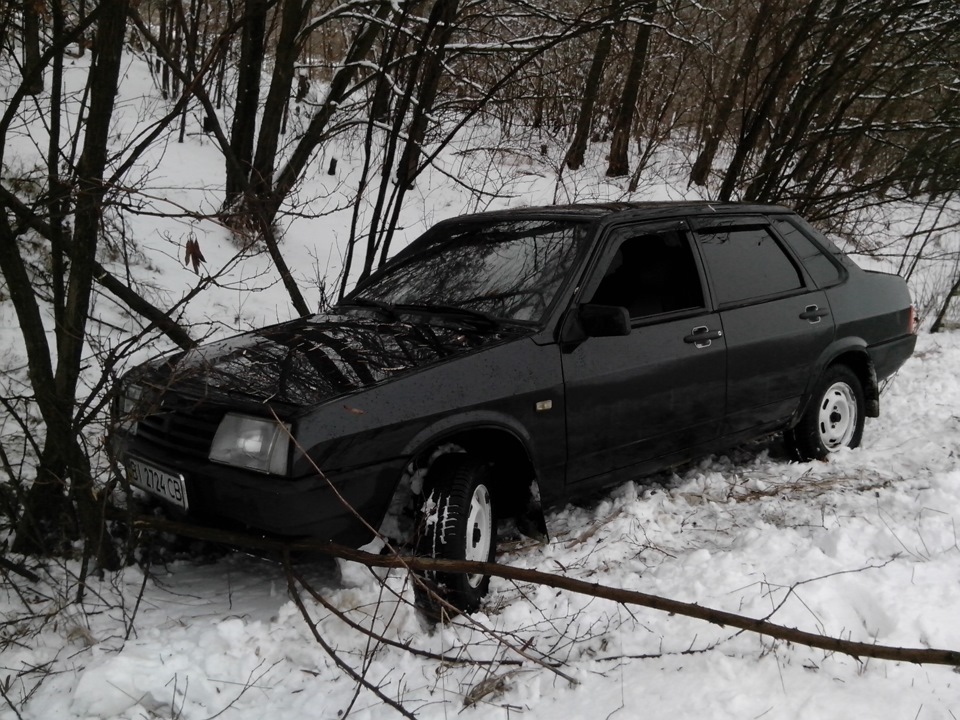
x=813, y=314
x=702, y=336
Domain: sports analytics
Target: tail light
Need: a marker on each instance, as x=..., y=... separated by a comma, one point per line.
x=912, y=321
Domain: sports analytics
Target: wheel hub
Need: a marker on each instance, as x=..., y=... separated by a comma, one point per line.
x=838, y=416
x=479, y=531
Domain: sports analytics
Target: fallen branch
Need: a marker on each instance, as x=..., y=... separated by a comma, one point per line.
x=20, y=570
x=858, y=650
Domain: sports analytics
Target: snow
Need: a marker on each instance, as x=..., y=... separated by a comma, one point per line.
x=863, y=547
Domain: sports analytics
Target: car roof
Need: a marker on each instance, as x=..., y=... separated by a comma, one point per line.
x=638, y=210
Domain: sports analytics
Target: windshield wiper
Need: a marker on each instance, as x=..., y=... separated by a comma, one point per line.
x=477, y=318
x=388, y=309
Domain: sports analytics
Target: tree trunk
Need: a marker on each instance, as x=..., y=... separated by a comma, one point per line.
x=32, y=71
x=287, y=50
x=247, y=102
x=339, y=89
x=166, y=23
x=942, y=313
x=619, y=164
x=63, y=464
x=436, y=37
x=440, y=23
x=408, y=74
x=381, y=109
x=717, y=129
x=591, y=90
x=771, y=89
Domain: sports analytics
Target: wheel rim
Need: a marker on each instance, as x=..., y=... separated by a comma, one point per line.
x=479, y=531
x=838, y=416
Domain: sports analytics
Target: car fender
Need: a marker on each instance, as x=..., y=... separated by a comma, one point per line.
x=865, y=371
x=466, y=431
x=447, y=427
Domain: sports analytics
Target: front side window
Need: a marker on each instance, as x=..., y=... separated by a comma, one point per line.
x=747, y=264
x=509, y=269
x=650, y=274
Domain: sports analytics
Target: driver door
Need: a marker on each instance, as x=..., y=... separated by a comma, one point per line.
x=662, y=388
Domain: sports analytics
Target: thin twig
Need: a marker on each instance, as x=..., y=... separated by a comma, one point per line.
x=295, y=594
x=385, y=640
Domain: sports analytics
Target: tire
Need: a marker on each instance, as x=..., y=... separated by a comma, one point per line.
x=457, y=522
x=833, y=419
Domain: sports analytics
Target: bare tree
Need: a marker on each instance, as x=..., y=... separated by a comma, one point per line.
x=32, y=69
x=252, y=38
x=64, y=466
x=591, y=91
x=623, y=122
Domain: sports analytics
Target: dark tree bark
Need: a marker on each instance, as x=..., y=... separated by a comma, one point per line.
x=952, y=295
x=758, y=118
x=591, y=90
x=619, y=164
x=57, y=199
x=718, y=127
x=360, y=48
x=63, y=463
x=165, y=30
x=440, y=25
x=244, y=125
x=406, y=76
x=381, y=108
x=293, y=17
x=32, y=71
x=819, y=95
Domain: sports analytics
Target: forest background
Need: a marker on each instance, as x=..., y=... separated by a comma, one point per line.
x=846, y=110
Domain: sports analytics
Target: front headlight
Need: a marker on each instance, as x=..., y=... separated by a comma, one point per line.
x=252, y=442
x=130, y=408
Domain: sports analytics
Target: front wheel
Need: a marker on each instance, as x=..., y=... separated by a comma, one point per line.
x=457, y=522
x=834, y=418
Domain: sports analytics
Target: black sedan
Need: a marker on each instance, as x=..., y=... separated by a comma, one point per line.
x=509, y=361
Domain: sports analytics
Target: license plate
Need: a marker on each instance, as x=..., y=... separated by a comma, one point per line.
x=162, y=484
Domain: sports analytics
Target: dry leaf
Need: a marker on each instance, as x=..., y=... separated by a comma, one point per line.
x=193, y=255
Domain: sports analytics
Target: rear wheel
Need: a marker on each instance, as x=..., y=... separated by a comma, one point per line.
x=833, y=420
x=457, y=522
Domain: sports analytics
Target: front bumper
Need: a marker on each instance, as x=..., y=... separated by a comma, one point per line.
x=340, y=508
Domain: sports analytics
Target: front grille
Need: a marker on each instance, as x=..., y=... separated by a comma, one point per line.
x=181, y=432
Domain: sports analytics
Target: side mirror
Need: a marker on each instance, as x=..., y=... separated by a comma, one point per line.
x=604, y=320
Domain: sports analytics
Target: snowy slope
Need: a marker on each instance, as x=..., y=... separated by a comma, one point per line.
x=863, y=547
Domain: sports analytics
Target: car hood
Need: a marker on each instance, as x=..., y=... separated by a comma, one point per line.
x=304, y=362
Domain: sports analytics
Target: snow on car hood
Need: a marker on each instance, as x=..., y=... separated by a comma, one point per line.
x=307, y=361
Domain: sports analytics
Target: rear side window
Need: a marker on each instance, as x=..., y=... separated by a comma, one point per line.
x=747, y=264
x=821, y=267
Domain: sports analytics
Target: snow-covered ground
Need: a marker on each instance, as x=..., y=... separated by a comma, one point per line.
x=864, y=547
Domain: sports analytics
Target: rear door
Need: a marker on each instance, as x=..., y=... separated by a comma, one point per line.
x=775, y=320
x=659, y=389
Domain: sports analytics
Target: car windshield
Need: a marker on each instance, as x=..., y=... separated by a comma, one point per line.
x=507, y=269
